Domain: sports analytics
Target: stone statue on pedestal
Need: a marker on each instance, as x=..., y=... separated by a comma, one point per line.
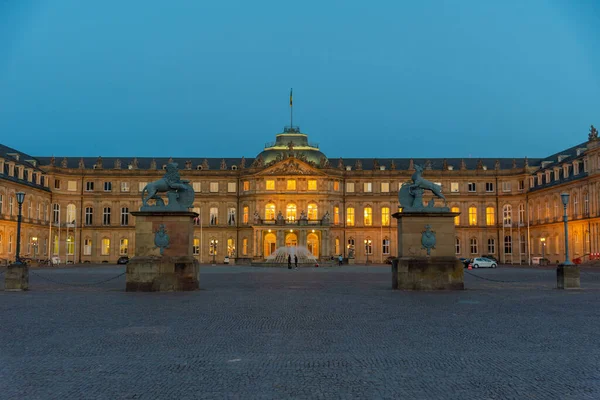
x=179, y=192
x=410, y=195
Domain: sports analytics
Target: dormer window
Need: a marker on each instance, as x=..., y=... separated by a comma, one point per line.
x=556, y=174
x=547, y=177
x=531, y=181
x=576, y=168
x=566, y=171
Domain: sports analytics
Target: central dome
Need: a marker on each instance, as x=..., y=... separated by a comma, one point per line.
x=291, y=140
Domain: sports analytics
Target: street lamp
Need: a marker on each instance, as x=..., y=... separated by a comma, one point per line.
x=35, y=246
x=213, y=248
x=20, y=199
x=543, y=240
x=367, y=247
x=565, y=200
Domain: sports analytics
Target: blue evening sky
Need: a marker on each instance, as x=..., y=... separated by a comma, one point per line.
x=388, y=78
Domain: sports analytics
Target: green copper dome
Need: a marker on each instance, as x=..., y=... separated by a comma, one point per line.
x=291, y=142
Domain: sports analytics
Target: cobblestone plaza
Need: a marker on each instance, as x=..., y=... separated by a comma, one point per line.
x=330, y=333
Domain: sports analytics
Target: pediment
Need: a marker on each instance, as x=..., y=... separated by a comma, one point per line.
x=291, y=166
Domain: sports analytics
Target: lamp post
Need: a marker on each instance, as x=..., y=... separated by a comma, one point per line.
x=543, y=241
x=34, y=243
x=565, y=200
x=20, y=199
x=213, y=249
x=367, y=247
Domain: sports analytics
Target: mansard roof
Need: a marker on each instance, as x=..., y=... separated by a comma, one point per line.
x=10, y=154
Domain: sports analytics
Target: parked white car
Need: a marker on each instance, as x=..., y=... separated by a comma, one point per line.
x=481, y=262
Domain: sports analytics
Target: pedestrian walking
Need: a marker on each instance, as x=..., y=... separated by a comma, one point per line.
x=296, y=261
x=340, y=260
x=289, y=261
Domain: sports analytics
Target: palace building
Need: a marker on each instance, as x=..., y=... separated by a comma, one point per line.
x=291, y=194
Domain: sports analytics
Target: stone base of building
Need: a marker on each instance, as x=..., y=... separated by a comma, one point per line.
x=162, y=274
x=16, y=278
x=427, y=273
x=351, y=261
x=567, y=277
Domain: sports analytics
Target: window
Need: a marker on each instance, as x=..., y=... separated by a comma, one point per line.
x=507, y=215
x=55, y=246
x=124, y=216
x=490, y=216
x=214, y=187
x=474, y=246
x=336, y=186
x=245, y=212
x=231, y=187
x=565, y=171
x=585, y=165
x=489, y=187
x=506, y=186
x=472, y=215
x=106, y=216
x=214, y=216
x=57, y=184
x=350, y=216
x=368, y=220
x=312, y=184
x=547, y=176
x=575, y=168
x=457, y=218
x=246, y=186
x=454, y=187
x=586, y=204
x=337, y=245
x=123, y=246
x=351, y=248
x=521, y=214
x=55, y=213
x=125, y=187
x=197, y=186
x=87, y=247
x=1, y=203
x=336, y=215
x=141, y=186
x=457, y=245
x=575, y=205
x=10, y=241
x=491, y=246
x=230, y=248
x=291, y=184
x=385, y=187
x=367, y=187
x=313, y=211
x=368, y=246
x=270, y=184
x=29, y=209
x=508, y=244
x=196, y=247
x=71, y=214
x=197, y=220
x=521, y=185
x=471, y=187
x=105, y=251
x=546, y=209
x=385, y=216
x=270, y=211
x=107, y=186
x=231, y=216
x=290, y=212
x=350, y=187
x=385, y=246
x=89, y=216
x=245, y=246
x=89, y=186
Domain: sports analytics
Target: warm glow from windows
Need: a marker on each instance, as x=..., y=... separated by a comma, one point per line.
x=105, y=246
x=385, y=187
x=245, y=246
x=290, y=212
x=350, y=216
x=336, y=186
x=368, y=216
x=312, y=211
x=123, y=247
x=490, y=216
x=270, y=184
x=291, y=184
x=312, y=184
x=472, y=216
x=270, y=211
x=457, y=218
x=385, y=216
x=246, y=186
x=336, y=215
x=245, y=214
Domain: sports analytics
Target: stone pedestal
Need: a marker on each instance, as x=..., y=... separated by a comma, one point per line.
x=567, y=277
x=424, y=263
x=170, y=267
x=16, y=278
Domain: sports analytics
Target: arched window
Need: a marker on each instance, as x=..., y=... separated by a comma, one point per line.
x=245, y=213
x=457, y=218
x=491, y=246
x=337, y=246
x=70, y=245
x=368, y=216
x=270, y=211
x=351, y=247
x=71, y=214
x=350, y=216
x=507, y=215
x=105, y=251
x=336, y=215
x=230, y=247
x=507, y=244
x=521, y=214
x=313, y=214
x=87, y=247
x=457, y=245
x=385, y=216
x=124, y=246
x=245, y=246
x=474, y=249
x=472, y=215
x=490, y=216
x=290, y=212
x=55, y=213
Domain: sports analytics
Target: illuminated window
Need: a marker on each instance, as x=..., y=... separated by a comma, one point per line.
x=72, y=186
x=491, y=246
x=270, y=211
x=291, y=184
x=214, y=216
x=385, y=216
x=245, y=246
x=87, y=247
x=70, y=245
x=337, y=245
x=490, y=216
x=336, y=186
x=350, y=187
x=367, y=187
x=71, y=211
x=124, y=186
x=546, y=209
x=454, y=187
x=231, y=187
x=270, y=184
x=246, y=186
x=142, y=185
x=245, y=212
x=472, y=216
x=312, y=184
x=336, y=215
x=105, y=247
x=10, y=242
x=123, y=246
x=290, y=212
x=55, y=245
x=368, y=216
x=214, y=187
x=457, y=246
x=457, y=218
x=197, y=186
x=385, y=187
x=196, y=247
x=230, y=248
x=312, y=212
x=350, y=216
x=474, y=246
